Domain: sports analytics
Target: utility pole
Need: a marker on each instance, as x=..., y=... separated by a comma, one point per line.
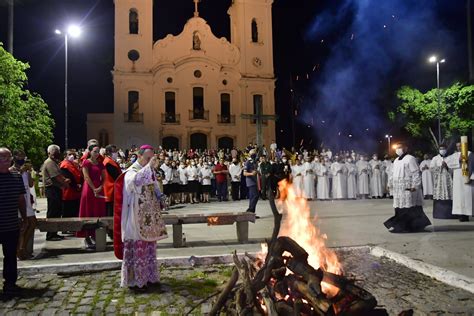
x=469, y=41
x=10, y=27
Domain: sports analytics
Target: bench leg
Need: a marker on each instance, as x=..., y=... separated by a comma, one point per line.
x=242, y=232
x=100, y=239
x=177, y=235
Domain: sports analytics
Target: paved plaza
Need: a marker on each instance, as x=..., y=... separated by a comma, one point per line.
x=349, y=225
x=446, y=244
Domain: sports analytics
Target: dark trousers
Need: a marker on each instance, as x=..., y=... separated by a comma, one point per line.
x=243, y=189
x=9, y=241
x=253, y=198
x=109, y=208
x=265, y=186
x=235, y=190
x=213, y=187
x=222, y=190
x=53, y=196
x=71, y=208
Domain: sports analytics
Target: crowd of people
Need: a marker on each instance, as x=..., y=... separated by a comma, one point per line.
x=81, y=183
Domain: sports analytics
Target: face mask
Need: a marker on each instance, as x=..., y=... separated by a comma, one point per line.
x=399, y=151
x=133, y=159
x=349, y=160
x=375, y=158
x=442, y=152
x=114, y=156
x=192, y=163
x=70, y=158
x=284, y=160
x=20, y=162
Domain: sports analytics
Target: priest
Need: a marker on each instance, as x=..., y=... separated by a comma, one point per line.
x=462, y=191
x=426, y=177
x=142, y=225
x=363, y=170
x=376, y=186
x=442, y=186
x=309, y=189
x=405, y=182
x=339, y=179
x=351, y=179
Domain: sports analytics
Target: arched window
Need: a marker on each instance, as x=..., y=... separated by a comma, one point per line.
x=170, y=107
x=254, y=31
x=257, y=105
x=198, y=103
x=133, y=106
x=103, y=138
x=133, y=21
x=225, y=108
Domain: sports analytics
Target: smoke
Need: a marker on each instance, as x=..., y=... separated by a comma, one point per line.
x=375, y=46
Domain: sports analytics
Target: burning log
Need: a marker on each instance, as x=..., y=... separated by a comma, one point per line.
x=291, y=279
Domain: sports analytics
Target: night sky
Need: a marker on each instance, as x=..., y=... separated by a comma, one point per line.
x=338, y=63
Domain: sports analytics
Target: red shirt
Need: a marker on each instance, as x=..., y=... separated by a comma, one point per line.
x=220, y=177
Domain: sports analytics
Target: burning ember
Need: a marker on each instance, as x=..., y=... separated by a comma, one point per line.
x=295, y=274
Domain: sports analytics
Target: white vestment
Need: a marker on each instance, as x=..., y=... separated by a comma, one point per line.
x=235, y=170
x=363, y=169
x=322, y=192
x=339, y=180
x=405, y=176
x=376, y=186
x=426, y=177
x=297, y=176
x=442, y=180
x=351, y=180
x=309, y=176
x=462, y=193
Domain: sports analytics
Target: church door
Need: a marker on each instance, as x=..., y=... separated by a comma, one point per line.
x=198, y=141
x=170, y=142
x=225, y=143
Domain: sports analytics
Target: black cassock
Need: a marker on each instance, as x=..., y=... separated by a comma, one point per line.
x=411, y=219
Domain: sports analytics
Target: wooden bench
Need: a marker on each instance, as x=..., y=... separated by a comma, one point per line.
x=100, y=224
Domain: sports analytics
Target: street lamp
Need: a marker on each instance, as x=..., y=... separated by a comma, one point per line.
x=434, y=59
x=388, y=137
x=73, y=31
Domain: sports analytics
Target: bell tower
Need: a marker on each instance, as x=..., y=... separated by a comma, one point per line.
x=251, y=31
x=133, y=35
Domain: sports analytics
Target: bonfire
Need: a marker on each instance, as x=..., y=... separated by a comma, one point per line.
x=295, y=273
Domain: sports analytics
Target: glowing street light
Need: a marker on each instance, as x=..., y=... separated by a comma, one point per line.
x=433, y=59
x=388, y=137
x=72, y=31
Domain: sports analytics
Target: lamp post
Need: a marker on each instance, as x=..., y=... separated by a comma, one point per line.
x=388, y=137
x=434, y=59
x=73, y=31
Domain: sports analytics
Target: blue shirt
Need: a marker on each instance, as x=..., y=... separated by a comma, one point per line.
x=250, y=166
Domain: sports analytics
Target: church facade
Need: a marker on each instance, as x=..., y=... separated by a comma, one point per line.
x=189, y=90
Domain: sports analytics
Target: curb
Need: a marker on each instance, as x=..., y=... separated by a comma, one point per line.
x=440, y=274
x=96, y=266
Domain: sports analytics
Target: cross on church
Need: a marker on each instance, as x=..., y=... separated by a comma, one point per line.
x=259, y=117
x=196, y=11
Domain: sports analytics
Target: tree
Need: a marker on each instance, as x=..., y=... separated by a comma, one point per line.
x=25, y=120
x=418, y=112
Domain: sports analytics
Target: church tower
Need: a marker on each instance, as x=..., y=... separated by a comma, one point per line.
x=251, y=32
x=133, y=35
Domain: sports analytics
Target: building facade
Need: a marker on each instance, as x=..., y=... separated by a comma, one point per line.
x=189, y=90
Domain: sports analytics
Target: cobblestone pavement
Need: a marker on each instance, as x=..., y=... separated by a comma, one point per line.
x=396, y=288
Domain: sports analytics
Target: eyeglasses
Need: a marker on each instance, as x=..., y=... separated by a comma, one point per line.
x=6, y=159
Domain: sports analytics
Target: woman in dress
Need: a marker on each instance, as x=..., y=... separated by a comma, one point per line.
x=92, y=199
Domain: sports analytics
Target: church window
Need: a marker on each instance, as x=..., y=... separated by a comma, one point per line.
x=224, y=82
x=225, y=108
x=133, y=21
x=133, y=55
x=198, y=103
x=257, y=105
x=170, y=107
x=254, y=31
x=197, y=73
x=133, y=106
x=169, y=80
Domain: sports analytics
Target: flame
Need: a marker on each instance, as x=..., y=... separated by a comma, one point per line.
x=299, y=226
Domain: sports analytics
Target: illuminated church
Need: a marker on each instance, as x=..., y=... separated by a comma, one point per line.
x=189, y=90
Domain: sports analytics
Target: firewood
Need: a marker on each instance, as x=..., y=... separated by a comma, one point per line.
x=279, y=273
x=225, y=293
x=285, y=243
x=320, y=303
x=298, y=307
x=284, y=309
x=269, y=304
x=312, y=276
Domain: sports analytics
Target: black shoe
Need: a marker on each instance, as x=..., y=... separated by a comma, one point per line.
x=137, y=289
x=257, y=217
x=12, y=290
x=464, y=218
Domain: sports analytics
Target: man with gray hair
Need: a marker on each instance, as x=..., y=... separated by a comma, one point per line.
x=53, y=181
